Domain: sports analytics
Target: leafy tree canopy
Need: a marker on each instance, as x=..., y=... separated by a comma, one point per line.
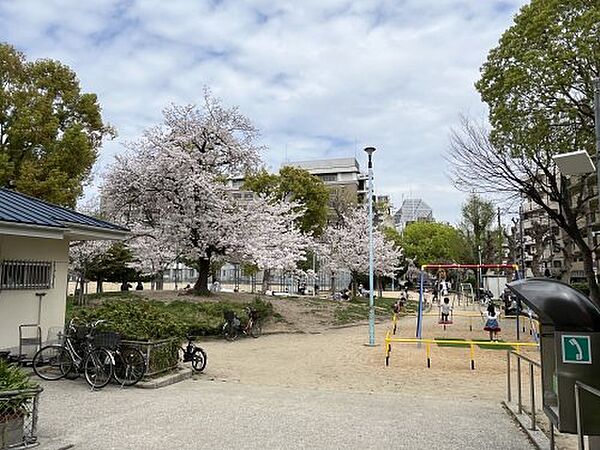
x=50, y=131
x=538, y=81
x=295, y=184
x=431, y=242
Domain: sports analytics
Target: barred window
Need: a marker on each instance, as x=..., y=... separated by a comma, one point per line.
x=26, y=274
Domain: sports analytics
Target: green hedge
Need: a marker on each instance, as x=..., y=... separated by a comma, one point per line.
x=139, y=319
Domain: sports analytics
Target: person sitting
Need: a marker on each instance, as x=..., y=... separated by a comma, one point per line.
x=492, y=324
x=345, y=294
x=445, y=309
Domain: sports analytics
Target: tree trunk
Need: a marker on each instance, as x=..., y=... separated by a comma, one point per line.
x=159, y=280
x=567, y=251
x=588, y=268
x=380, y=284
x=81, y=285
x=266, y=280
x=99, y=287
x=201, y=285
x=332, y=283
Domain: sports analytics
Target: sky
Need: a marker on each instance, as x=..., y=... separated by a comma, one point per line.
x=319, y=78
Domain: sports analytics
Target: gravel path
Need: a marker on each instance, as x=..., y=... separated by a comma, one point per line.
x=203, y=414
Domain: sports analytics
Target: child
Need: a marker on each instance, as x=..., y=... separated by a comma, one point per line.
x=491, y=322
x=445, y=309
x=399, y=305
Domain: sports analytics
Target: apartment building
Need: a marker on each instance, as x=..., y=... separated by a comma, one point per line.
x=338, y=173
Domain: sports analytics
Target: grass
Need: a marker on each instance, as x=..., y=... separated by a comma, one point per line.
x=481, y=343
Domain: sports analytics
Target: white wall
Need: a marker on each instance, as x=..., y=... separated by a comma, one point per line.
x=21, y=306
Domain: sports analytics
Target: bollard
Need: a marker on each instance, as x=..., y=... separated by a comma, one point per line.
x=428, y=352
x=472, y=357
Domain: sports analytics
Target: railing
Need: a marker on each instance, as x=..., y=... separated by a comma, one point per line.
x=452, y=343
x=578, y=387
x=520, y=409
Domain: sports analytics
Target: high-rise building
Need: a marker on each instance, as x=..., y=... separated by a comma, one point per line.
x=412, y=210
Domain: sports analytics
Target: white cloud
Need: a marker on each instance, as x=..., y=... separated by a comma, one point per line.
x=319, y=79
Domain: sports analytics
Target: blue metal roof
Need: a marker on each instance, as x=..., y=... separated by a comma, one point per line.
x=20, y=208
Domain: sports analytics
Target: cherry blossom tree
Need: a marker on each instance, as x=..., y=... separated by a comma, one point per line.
x=172, y=181
x=346, y=246
x=268, y=236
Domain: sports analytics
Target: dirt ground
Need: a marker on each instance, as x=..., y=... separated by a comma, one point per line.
x=321, y=357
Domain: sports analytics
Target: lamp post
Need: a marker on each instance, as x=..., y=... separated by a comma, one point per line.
x=369, y=151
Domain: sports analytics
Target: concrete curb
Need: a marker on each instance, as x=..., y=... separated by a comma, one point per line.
x=182, y=374
x=537, y=437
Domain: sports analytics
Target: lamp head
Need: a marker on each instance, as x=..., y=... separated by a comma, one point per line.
x=369, y=150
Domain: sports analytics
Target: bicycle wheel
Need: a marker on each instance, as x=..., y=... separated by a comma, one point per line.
x=130, y=366
x=230, y=332
x=52, y=362
x=256, y=329
x=98, y=368
x=199, y=359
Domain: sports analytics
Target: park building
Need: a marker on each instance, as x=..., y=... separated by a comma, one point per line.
x=412, y=210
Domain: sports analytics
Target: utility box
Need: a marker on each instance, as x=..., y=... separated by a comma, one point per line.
x=570, y=350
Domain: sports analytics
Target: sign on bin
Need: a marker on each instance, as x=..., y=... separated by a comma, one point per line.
x=576, y=349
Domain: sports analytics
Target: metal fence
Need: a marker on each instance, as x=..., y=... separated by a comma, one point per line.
x=579, y=386
x=18, y=418
x=161, y=356
x=532, y=398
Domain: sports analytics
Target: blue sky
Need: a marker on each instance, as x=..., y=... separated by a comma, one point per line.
x=318, y=78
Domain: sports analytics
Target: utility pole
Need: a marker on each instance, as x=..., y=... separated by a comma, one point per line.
x=500, y=237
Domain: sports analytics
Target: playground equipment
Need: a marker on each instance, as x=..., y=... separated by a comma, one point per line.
x=466, y=294
x=452, y=343
x=424, y=267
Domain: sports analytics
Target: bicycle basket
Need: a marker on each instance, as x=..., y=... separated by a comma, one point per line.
x=80, y=333
x=229, y=316
x=106, y=339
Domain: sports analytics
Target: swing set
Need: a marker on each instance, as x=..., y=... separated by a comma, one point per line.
x=449, y=320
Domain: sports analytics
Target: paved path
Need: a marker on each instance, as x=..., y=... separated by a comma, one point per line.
x=203, y=414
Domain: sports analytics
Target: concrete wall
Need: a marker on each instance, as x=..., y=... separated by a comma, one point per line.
x=21, y=306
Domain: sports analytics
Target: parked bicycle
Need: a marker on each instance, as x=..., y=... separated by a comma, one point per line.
x=233, y=325
x=129, y=362
x=76, y=354
x=191, y=352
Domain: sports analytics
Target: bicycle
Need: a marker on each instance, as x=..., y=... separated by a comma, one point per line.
x=57, y=361
x=191, y=352
x=233, y=325
x=129, y=362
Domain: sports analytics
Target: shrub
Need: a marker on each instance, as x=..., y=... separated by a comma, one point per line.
x=13, y=379
x=139, y=319
x=135, y=319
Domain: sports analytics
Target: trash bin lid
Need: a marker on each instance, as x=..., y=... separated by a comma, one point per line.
x=558, y=304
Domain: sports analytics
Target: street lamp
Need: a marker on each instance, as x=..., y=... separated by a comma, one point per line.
x=369, y=151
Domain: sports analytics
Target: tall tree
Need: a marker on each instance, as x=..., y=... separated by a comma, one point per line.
x=346, y=246
x=538, y=85
x=175, y=176
x=296, y=185
x=50, y=131
x=478, y=219
x=431, y=242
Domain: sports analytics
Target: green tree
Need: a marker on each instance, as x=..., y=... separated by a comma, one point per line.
x=113, y=266
x=538, y=86
x=295, y=184
x=478, y=217
x=431, y=242
x=50, y=131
